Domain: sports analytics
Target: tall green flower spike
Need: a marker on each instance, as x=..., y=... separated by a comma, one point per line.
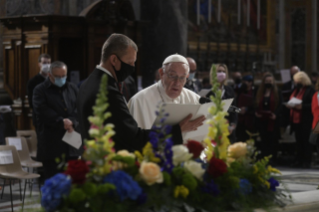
x=218, y=126
x=99, y=150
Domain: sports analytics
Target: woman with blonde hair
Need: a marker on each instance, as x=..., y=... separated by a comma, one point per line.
x=227, y=93
x=268, y=113
x=301, y=118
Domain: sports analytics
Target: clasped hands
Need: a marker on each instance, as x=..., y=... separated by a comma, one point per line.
x=68, y=125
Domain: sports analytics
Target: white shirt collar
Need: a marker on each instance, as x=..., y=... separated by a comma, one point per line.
x=104, y=70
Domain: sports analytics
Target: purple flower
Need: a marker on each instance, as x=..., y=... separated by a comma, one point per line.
x=126, y=187
x=142, y=198
x=273, y=184
x=245, y=187
x=211, y=188
x=53, y=190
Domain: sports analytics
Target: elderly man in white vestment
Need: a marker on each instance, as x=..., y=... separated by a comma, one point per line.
x=169, y=89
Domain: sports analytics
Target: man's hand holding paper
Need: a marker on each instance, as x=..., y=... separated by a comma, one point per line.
x=188, y=125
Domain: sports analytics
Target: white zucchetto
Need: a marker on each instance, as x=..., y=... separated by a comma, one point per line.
x=175, y=58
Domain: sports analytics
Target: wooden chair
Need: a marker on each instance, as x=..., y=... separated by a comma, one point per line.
x=14, y=171
x=32, y=141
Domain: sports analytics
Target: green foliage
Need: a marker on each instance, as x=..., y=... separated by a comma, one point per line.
x=105, y=188
x=167, y=179
x=76, y=195
x=90, y=189
x=189, y=181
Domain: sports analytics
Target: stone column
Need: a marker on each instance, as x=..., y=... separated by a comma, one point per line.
x=72, y=7
x=165, y=34
x=314, y=36
x=136, y=4
x=281, y=41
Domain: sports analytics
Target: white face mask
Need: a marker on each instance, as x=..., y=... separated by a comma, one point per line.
x=45, y=68
x=191, y=76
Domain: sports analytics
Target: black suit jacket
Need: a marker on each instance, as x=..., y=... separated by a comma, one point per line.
x=51, y=105
x=32, y=83
x=128, y=135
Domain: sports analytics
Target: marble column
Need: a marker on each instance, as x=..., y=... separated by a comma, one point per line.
x=314, y=36
x=281, y=41
x=165, y=34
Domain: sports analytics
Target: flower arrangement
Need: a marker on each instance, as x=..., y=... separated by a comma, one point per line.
x=211, y=176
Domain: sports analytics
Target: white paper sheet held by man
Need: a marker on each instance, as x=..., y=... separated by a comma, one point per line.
x=73, y=139
x=178, y=111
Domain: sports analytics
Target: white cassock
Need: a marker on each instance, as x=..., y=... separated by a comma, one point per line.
x=142, y=105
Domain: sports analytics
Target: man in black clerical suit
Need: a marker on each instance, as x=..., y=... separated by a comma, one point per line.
x=287, y=89
x=117, y=61
x=44, y=64
x=54, y=103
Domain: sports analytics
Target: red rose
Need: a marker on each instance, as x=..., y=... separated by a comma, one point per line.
x=216, y=167
x=77, y=169
x=195, y=148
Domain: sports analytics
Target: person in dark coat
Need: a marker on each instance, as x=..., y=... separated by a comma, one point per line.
x=192, y=83
x=245, y=101
x=117, y=62
x=54, y=102
x=268, y=115
x=287, y=89
x=227, y=93
x=44, y=64
x=301, y=118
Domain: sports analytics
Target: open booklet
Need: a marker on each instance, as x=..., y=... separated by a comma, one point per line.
x=177, y=112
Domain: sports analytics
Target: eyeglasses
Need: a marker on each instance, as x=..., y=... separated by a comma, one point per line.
x=173, y=77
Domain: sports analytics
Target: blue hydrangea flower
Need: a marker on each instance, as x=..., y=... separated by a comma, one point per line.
x=211, y=188
x=273, y=184
x=53, y=190
x=126, y=187
x=245, y=187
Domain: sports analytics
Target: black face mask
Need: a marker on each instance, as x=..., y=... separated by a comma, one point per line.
x=124, y=72
x=268, y=85
x=299, y=85
x=238, y=81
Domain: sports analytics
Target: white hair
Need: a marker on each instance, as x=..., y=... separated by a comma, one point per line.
x=165, y=65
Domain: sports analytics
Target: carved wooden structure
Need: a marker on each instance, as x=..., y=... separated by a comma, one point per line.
x=75, y=40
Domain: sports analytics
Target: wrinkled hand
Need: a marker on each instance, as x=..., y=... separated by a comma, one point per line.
x=298, y=107
x=188, y=125
x=273, y=116
x=68, y=124
x=258, y=115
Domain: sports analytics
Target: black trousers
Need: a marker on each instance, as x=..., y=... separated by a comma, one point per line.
x=303, y=147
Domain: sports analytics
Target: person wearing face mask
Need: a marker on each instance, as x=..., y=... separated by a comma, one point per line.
x=268, y=114
x=54, y=102
x=245, y=101
x=117, y=62
x=301, y=118
x=169, y=89
x=192, y=83
x=44, y=61
x=227, y=93
x=237, y=78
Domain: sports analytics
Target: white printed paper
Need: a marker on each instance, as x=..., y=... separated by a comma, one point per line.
x=5, y=109
x=73, y=139
x=6, y=157
x=293, y=102
x=204, y=92
x=15, y=142
x=285, y=75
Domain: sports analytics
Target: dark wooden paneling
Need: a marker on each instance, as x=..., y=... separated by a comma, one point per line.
x=32, y=55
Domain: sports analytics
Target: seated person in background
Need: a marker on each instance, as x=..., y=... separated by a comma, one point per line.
x=227, y=93
x=237, y=81
x=314, y=77
x=170, y=89
x=206, y=84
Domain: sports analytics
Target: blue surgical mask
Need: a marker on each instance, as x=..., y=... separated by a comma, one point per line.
x=59, y=81
x=191, y=76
